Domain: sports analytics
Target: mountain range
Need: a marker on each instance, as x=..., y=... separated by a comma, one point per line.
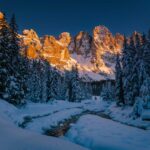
x=93, y=54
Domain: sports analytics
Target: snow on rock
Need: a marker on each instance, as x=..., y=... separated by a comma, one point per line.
x=98, y=133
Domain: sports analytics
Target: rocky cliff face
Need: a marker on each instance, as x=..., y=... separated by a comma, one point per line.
x=31, y=43
x=94, y=54
x=55, y=51
x=81, y=44
x=1, y=15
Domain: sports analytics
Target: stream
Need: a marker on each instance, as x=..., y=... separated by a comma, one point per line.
x=63, y=126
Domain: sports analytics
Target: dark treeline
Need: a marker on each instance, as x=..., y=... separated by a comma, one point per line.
x=24, y=79
x=133, y=72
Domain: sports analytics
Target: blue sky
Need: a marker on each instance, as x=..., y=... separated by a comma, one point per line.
x=55, y=16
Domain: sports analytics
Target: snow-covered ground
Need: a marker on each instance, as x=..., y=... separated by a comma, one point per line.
x=90, y=131
x=14, y=138
x=43, y=123
x=98, y=133
x=124, y=115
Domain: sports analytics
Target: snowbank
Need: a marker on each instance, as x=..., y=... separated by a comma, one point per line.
x=98, y=133
x=13, y=138
x=124, y=115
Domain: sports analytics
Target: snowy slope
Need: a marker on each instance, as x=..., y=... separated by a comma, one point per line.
x=87, y=68
x=14, y=138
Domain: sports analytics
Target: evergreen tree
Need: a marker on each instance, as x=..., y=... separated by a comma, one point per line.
x=9, y=64
x=145, y=92
x=75, y=87
x=49, y=83
x=119, y=83
x=17, y=87
x=135, y=69
x=127, y=67
x=4, y=58
x=146, y=55
x=125, y=54
x=128, y=73
x=107, y=92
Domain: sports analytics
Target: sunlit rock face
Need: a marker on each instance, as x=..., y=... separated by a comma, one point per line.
x=94, y=54
x=31, y=44
x=81, y=44
x=104, y=41
x=104, y=48
x=56, y=51
x=65, y=38
x=3, y=21
x=1, y=16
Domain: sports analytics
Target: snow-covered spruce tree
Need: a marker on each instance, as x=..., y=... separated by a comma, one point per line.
x=34, y=90
x=17, y=87
x=126, y=69
x=137, y=107
x=145, y=72
x=128, y=59
x=4, y=58
x=146, y=55
x=54, y=88
x=37, y=81
x=145, y=92
x=55, y=84
x=49, y=83
x=62, y=88
x=135, y=69
x=43, y=76
x=75, y=89
x=119, y=83
x=68, y=77
x=10, y=82
x=87, y=90
x=140, y=61
x=143, y=83
x=108, y=92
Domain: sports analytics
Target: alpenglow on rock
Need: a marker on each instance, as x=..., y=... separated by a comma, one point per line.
x=94, y=54
x=1, y=15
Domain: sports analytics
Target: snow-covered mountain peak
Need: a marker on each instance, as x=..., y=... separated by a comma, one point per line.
x=101, y=32
x=65, y=38
x=81, y=43
x=30, y=33
x=95, y=55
